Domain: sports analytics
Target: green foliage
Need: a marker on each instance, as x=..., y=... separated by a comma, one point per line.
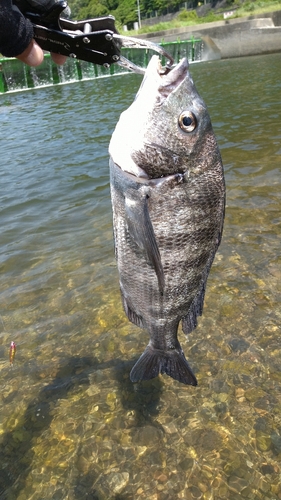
x=125, y=11
x=211, y=17
x=259, y=7
x=158, y=27
x=76, y=6
x=93, y=9
x=147, y=7
x=250, y=7
x=187, y=15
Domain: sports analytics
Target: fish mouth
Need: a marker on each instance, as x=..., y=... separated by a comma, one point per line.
x=172, y=77
x=162, y=79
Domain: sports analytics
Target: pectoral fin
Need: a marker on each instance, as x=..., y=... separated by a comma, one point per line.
x=141, y=231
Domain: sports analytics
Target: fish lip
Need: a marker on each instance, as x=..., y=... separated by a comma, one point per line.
x=164, y=83
x=171, y=80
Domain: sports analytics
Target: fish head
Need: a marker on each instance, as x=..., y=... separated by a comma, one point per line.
x=166, y=129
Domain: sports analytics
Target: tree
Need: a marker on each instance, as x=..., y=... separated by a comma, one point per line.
x=94, y=8
x=126, y=12
x=76, y=6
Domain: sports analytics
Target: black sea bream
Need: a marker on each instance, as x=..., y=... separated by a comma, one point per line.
x=168, y=198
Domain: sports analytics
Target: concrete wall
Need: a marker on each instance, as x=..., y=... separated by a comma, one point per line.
x=230, y=38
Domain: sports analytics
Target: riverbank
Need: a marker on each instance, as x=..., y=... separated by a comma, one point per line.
x=256, y=34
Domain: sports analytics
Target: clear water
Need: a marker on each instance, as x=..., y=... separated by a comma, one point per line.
x=72, y=425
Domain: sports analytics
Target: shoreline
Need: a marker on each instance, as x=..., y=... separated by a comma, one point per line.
x=254, y=35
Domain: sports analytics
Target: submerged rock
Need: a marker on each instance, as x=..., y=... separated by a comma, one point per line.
x=117, y=481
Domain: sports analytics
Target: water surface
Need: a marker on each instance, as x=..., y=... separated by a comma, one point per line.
x=72, y=425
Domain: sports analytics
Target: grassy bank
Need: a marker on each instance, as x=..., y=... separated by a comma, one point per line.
x=190, y=18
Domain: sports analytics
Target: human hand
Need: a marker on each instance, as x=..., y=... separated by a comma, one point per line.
x=33, y=55
x=16, y=36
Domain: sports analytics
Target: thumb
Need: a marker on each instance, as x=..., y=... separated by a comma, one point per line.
x=33, y=55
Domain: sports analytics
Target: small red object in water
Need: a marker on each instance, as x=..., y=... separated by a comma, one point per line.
x=13, y=349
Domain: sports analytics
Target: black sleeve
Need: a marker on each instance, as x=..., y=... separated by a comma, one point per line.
x=16, y=32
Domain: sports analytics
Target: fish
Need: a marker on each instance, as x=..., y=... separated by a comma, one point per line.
x=168, y=202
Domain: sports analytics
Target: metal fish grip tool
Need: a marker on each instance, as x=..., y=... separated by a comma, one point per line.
x=94, y=40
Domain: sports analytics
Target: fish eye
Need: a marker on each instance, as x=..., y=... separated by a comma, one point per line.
x=187, y=121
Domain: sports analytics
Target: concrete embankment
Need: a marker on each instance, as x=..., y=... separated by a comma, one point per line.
x=230, y=38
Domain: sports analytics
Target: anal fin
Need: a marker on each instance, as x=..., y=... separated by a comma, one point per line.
x=132, y=315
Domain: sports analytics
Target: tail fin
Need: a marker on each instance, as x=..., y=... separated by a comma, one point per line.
x=154, y=361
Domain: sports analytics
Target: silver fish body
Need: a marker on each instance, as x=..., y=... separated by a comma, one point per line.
x=168, y=198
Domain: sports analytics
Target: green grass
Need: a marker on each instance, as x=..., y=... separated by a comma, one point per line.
x=190, y=18
x=176, y=23
x=257, y=7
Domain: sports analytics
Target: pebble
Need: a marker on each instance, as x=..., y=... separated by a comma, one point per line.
x=147, y=435
x=208, y=495
x=170, y=428
x=267, y=469
x=263, y=441
x=162, y=478
x=254, y=394
x=118, y=481
x=237, y=484
x=239, y=345
x=264, y=485
x=186, y=464
x=239, y=392
x=195, y=492
x=82, y=464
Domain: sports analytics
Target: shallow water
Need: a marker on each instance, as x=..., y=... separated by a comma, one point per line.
x=72, y=425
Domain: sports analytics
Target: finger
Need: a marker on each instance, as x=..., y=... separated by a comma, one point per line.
x=58, y=58
x=33, y=55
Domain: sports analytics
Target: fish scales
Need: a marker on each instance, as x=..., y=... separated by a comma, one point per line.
x=168, y=198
